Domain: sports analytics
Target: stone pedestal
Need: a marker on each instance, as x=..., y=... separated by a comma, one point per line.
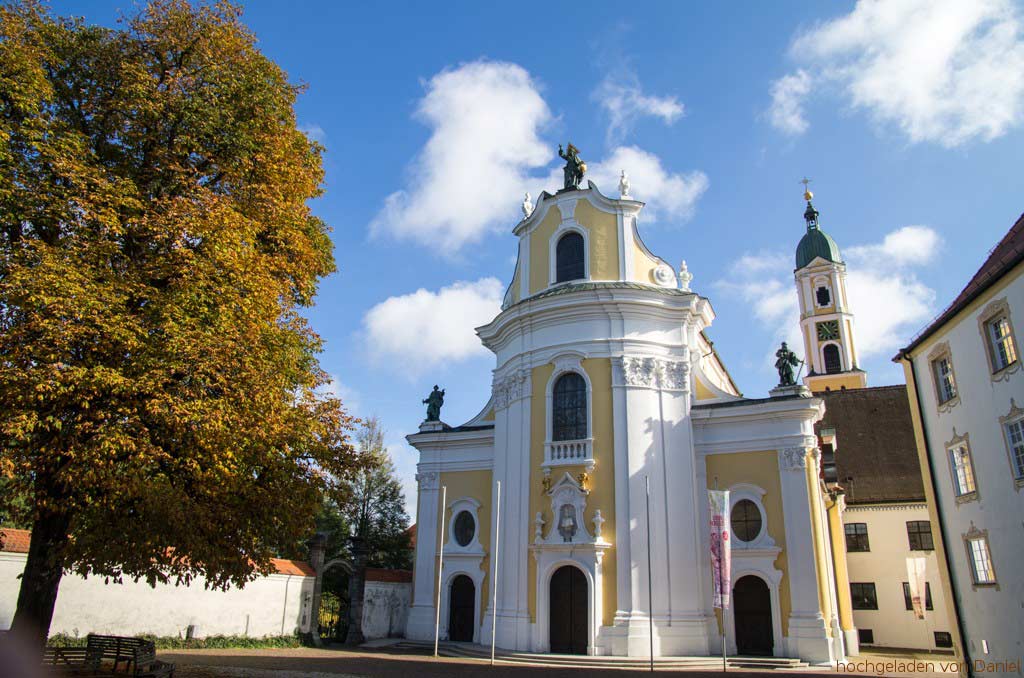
x=794, y=390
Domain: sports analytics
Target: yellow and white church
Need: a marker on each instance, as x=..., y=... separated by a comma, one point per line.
x=605, y=383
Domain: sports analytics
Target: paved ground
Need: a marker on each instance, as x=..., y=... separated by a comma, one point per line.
x=393, y=663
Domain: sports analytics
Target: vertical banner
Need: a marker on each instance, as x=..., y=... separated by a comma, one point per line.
x=718, y=501
x=918, y=585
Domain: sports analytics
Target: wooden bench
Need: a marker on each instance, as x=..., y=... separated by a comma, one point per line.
x=79, y=660
x=137, y=654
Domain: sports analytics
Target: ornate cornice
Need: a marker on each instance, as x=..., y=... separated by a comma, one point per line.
x=793, y=458
x=656, y=373
x=510, y=388
x=428, y=480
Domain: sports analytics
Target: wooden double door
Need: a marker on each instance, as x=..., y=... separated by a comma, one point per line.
x=569, y=602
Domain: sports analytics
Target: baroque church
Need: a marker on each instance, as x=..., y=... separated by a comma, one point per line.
x=607, y=391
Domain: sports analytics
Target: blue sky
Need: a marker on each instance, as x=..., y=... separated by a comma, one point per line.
x=906, y=116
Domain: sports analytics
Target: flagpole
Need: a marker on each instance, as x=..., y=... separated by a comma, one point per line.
x=650, y=587
x=494, y=580
x=721, y=594
x=440, y=569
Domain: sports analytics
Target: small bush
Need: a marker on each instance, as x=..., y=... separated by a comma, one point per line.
x=179, y=643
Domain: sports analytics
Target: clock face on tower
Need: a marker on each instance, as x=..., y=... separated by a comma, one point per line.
x=828, y=330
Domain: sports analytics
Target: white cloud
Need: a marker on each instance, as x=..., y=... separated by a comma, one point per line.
x=348, y=396
x=485, y=117
x=668, y=195
x=415, y=332
x=485, y=152
x=886, y=297
x=943, y=71
x=786, y=113
x=910, y=245
x=623, y=98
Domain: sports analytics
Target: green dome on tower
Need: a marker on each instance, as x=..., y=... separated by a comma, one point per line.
x=815, y=243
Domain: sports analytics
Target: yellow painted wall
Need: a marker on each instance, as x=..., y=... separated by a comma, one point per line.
x=836, y=382
x=820, y=551
x=761, y=469
x=475, y=484
x=643, y=264
x=702, y=392
x=838, y=536
x=602, y=480
x=602, y=229
x=489, y=416
x=540, y=241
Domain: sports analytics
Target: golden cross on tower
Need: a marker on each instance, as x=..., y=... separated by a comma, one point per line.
x=807, y=191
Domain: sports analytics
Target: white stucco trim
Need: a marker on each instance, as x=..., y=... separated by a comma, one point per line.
x=754, y=494
x=762, y=568
x=569, y=225
x=549, y=560
x=452, y=569
x=474, y=547
x=565, y=363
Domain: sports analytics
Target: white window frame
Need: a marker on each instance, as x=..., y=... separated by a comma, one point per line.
x=826, y=282
x=472, y=507
x=999, y=310
x=569, y=225
x=952, y=447
x=939, y=353
x=583, y=450
x=755, y=494
x=979, y=538
x=1015, y=417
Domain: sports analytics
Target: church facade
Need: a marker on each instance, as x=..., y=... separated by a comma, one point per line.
x=606, y=391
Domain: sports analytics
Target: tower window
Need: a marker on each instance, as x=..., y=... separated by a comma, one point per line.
x=569, y=408
x=569, y=263
x=823, y=295
x=833, y=363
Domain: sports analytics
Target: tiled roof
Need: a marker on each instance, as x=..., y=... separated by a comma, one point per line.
x=382, y=575
x=14, y=541
x=876, y=454
x=17, y=541
x=296, y=567
x=1004, y=256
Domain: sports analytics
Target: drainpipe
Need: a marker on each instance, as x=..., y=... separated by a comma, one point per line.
x=942, y=524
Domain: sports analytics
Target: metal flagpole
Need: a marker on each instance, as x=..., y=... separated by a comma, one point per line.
x=650, y=587
x=494, y=581
x=440, y=568
x=721, y=594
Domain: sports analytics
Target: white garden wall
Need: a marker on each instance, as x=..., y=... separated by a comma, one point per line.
x=386, y=609
x=269, y=606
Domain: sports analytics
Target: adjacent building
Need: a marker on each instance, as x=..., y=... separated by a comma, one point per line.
x=966, y=392
x=606, y=391
x=870, y=465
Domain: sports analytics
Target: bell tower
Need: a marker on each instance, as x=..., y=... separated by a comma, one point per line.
x=826, y=322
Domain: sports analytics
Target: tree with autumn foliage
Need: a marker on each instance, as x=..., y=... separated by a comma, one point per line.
x=161, y=408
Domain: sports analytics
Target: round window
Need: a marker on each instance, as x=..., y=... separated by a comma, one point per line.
x=465, y=528
x=746, y=520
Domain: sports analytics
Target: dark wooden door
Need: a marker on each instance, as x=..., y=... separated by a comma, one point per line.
x=752, y=612
x=568, y=600
x=462, y=609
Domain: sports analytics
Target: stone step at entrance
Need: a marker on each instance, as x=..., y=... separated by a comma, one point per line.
x=471, y=651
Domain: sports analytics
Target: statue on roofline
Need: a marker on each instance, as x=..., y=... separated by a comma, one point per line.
x=434, y=401
x=574, y=168
x=786, y=361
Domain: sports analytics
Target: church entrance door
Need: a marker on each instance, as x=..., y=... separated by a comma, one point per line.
x=752, y=615
x=461, y=609
x=568, y=601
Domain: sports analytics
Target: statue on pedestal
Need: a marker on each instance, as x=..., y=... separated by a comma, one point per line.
x=786, y=361
x=574, y=168
x=434, y=401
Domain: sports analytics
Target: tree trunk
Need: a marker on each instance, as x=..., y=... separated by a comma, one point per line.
x=39, y=582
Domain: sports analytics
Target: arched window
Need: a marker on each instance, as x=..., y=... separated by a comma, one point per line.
x=569, y=258
x=833, y=363
x=569, y=408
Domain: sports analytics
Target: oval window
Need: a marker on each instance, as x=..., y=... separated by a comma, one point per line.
x=746, y=520
x=465, y=528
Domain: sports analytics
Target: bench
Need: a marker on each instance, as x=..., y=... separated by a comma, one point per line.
x=137, y=654
x=76, y=660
